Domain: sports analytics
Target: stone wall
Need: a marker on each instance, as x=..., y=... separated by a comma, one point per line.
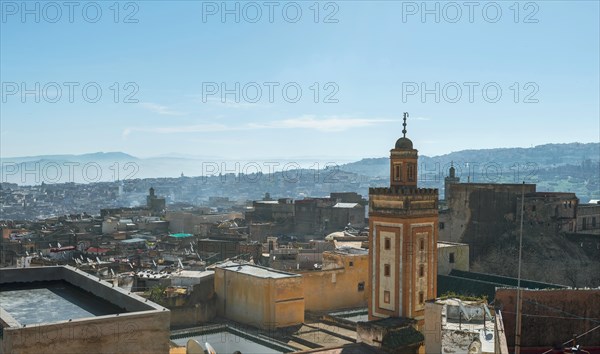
x=189, y=316
x=126, y=333
x=479, y=213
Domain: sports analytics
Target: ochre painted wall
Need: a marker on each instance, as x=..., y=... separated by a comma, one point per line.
x=257, y=301
x=335, y=289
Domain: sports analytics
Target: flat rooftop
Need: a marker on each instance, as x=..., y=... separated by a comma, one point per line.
x=52, y=301
x=81, y=312
x=226, y=339
x=48, y=295
x=351, y=250
x=356, y=315
x=192, y=273
x=258, y=271
x=457, y=335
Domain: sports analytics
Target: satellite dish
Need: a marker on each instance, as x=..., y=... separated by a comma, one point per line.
x=210, y=349
x=193, y=347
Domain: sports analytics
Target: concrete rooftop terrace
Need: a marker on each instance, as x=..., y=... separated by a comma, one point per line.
x=52, y=301
x=257, y=271
x=65, y=310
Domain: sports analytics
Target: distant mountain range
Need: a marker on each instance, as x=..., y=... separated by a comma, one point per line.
x=96, y=156
x=542, y=156
x=573, y=167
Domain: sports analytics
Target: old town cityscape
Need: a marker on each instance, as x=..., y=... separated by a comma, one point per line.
x=400, y=270
x=308, y=176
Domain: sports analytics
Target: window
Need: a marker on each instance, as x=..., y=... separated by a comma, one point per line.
x=421, y=297
x=441, y=225
x=411, y=172
x=386, y=297
x=594, y=222
x=351, y=264
x=584, y=224
x=396, y=172
x=361, y=286
x=422, y=245
x=388, y=243
x=451, y=257
x=533, y=208
x=386, y=270
x=421, y=270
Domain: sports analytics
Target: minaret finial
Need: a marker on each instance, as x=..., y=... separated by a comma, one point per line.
x=404, y=124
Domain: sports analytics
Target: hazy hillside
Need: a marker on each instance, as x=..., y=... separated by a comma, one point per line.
x=573, y=167
x=544, y=156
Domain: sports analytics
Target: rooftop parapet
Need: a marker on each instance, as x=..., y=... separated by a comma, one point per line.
x=403, y=201
x=403, y=191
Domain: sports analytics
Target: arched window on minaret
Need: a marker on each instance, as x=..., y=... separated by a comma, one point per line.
x=398, y=172
x=411, y=172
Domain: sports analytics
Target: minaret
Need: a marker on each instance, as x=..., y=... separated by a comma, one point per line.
x=150, y=198
x=403, y=161
x=450, y=180
x=403, y=233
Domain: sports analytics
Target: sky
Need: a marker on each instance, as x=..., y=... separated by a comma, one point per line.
x=328, y=79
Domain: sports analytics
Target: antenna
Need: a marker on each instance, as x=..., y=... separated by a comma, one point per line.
x=404, y=125
x=519, y=300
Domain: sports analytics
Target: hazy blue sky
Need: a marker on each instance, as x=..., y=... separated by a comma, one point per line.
x=369, y=59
